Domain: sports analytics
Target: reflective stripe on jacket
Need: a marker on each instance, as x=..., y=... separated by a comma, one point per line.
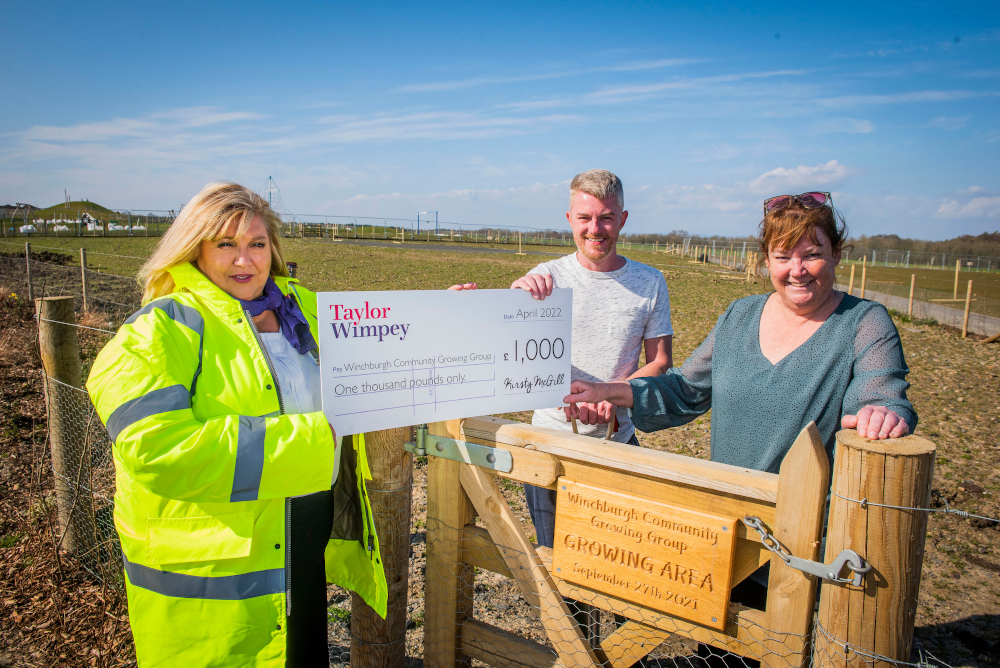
x=205, y=461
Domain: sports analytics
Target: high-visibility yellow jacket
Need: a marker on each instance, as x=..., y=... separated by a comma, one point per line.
x=205, y=464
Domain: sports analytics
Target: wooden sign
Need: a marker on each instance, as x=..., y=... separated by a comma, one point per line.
x=673, y=560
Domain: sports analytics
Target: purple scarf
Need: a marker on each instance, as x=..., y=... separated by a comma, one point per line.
x=293, y=323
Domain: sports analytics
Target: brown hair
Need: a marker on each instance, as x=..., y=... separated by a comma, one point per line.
x=206, y=217
x=782, y=229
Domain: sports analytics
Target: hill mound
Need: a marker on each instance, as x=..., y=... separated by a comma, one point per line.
x=73, y=210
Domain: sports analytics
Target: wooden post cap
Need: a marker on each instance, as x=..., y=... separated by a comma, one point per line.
x=909, y=445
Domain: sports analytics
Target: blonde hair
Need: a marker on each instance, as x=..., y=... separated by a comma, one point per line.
x=598, y=183
x=206, y=218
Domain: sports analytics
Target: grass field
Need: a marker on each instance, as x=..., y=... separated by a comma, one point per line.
x=931, y=285
x=985, y=284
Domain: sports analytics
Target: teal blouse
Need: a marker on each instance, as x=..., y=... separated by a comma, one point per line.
x=854, y=359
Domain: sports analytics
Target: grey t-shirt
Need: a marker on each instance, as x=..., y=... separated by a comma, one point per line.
x=612, y=313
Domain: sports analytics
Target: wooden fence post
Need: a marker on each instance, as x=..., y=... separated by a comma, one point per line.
x=958, y=267
x=83, y=276
x=864, y=278
x=965, y=317
x=877, y=617
x=27, y=264
x=449, y=578
x=850, y=287
x=377, y=642
x=913, y=284
x=67, y=418
x=798, y=525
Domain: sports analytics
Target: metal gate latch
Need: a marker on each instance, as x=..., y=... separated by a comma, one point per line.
x=849, y=558
x=460, y=451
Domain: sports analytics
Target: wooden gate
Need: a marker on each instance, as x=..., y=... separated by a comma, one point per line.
x=791, y=504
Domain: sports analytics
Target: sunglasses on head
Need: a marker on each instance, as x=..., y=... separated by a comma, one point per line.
x=812, y=200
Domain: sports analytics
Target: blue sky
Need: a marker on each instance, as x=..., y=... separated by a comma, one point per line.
x=484, y=113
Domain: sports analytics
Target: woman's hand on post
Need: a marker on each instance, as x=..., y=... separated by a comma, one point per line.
x=876, y=422
x=464, y=286
x=539, y=285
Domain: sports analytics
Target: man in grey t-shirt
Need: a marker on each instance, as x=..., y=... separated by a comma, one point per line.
x=618, y=305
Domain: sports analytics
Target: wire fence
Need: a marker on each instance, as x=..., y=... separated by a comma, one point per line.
x=922, y=259
x=935, y=304
x=108, y=298
x=506, y=614
x=948, y=288
x=84, y=476
x=500, y=586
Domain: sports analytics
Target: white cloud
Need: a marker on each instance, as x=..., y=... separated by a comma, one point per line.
x=434, y=125
x=630, y=93
x=172, y=120
x=472, y=82
x=799, y=178
x=702, y=198
x=973, y=190
x=204, y=135
x=978, y=207
x=537, y=205
x=722, y=151
x=847, y=125
x=531, y=105
x=947, y=123
x=900, y=98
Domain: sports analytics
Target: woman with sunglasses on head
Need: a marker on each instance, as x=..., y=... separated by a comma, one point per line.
x=777, y=361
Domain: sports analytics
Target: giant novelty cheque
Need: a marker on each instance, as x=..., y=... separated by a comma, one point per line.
x=400, y=358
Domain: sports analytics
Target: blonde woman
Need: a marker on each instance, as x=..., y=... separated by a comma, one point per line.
x=225, y=463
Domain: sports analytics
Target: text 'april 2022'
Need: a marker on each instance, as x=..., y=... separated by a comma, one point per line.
x=393, y=359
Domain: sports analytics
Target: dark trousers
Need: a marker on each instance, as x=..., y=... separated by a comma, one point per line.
x=312, y=522
x=542, y=508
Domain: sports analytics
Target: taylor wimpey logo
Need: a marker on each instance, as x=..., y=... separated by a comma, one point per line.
x=350, y=327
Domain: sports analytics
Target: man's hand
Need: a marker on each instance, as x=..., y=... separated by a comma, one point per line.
x=464, y=286
x=539, y=285
x=876, y=422
x=600, y=413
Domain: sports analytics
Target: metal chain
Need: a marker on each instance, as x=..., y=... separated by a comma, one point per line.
x=948, y=510
x=766, y=538
x=831, y=572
